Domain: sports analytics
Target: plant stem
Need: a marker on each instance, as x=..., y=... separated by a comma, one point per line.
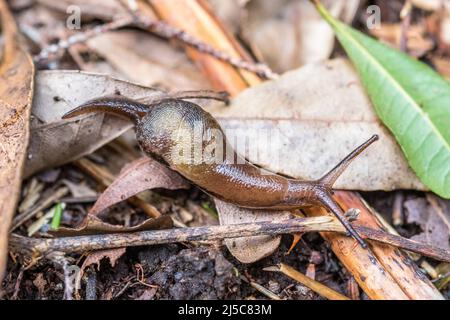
x=109, y=241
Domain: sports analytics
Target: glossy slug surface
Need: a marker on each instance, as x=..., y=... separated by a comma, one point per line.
x=189, y=140
x=232, y=179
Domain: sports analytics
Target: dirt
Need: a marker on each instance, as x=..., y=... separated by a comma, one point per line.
x=175, y=271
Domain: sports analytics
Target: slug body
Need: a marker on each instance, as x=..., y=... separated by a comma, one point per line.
x=190, y=141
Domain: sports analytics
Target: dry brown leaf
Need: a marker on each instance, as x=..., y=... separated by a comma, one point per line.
x=290, y=33
x=419, y=43
x=142, y=174
x=304, y=123
x=55, y=141
x=433, y=217
x=249, y=249
x=40, y=283
x=148, y=60
x=442, y=66
x=41, y=25
x=96, y=257
x=230, y=13
x=16, y=90
x=93, y=225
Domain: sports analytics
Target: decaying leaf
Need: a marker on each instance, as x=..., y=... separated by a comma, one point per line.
x=289, y=33
x=432, y=214
x=145, y=59
x=443, y=67
x=16, y=90
x=230, y=13
x=418, y=43
x=304, y=123
x=249, y=249
x=55, y=141
x=40, y=283
x=96, y=257
x=93, y=225
x=142, y=174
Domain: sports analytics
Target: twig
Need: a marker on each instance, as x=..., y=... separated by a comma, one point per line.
x=415, y=257
x=265, y=291
x=109, y=241
x=166, y=31
x=161, y=29
x=315, y=286
x=17, y=285
x=64, y=44
x=353, y=288
x=61, y=261
x=268, y=293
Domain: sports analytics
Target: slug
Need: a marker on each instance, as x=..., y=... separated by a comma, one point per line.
x=165, y=129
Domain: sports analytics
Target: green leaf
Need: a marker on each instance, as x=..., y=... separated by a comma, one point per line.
x=411, y=99
x=57, y=214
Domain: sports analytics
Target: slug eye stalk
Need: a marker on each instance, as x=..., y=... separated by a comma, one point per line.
x=327, y=181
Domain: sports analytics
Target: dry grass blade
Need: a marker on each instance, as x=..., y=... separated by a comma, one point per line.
x=16, y=88
x=317, y=287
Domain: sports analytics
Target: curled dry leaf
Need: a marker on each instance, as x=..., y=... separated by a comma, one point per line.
x=55, y=141
x=142, y=174
x=249, y=249
x=432, y=214
x=93, y=225
x=305, y=122
x=96, y=257
x=305, y=36
x=16, y=90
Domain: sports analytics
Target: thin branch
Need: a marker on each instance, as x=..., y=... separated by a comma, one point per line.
x=314, y=285
x=161, y=29
x=35, y=246
x=52, y=50
x=167, y=31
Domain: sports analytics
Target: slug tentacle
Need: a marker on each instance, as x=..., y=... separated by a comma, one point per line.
x=330, y=178
x=323, y=190
x=326, y=198
x=117, y=105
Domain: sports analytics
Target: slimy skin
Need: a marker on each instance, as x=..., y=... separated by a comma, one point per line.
x=166, y=130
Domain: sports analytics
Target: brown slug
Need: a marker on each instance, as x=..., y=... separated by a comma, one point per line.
x=166, y=127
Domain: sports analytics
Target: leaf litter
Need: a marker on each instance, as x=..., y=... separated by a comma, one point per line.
x=167, y=260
